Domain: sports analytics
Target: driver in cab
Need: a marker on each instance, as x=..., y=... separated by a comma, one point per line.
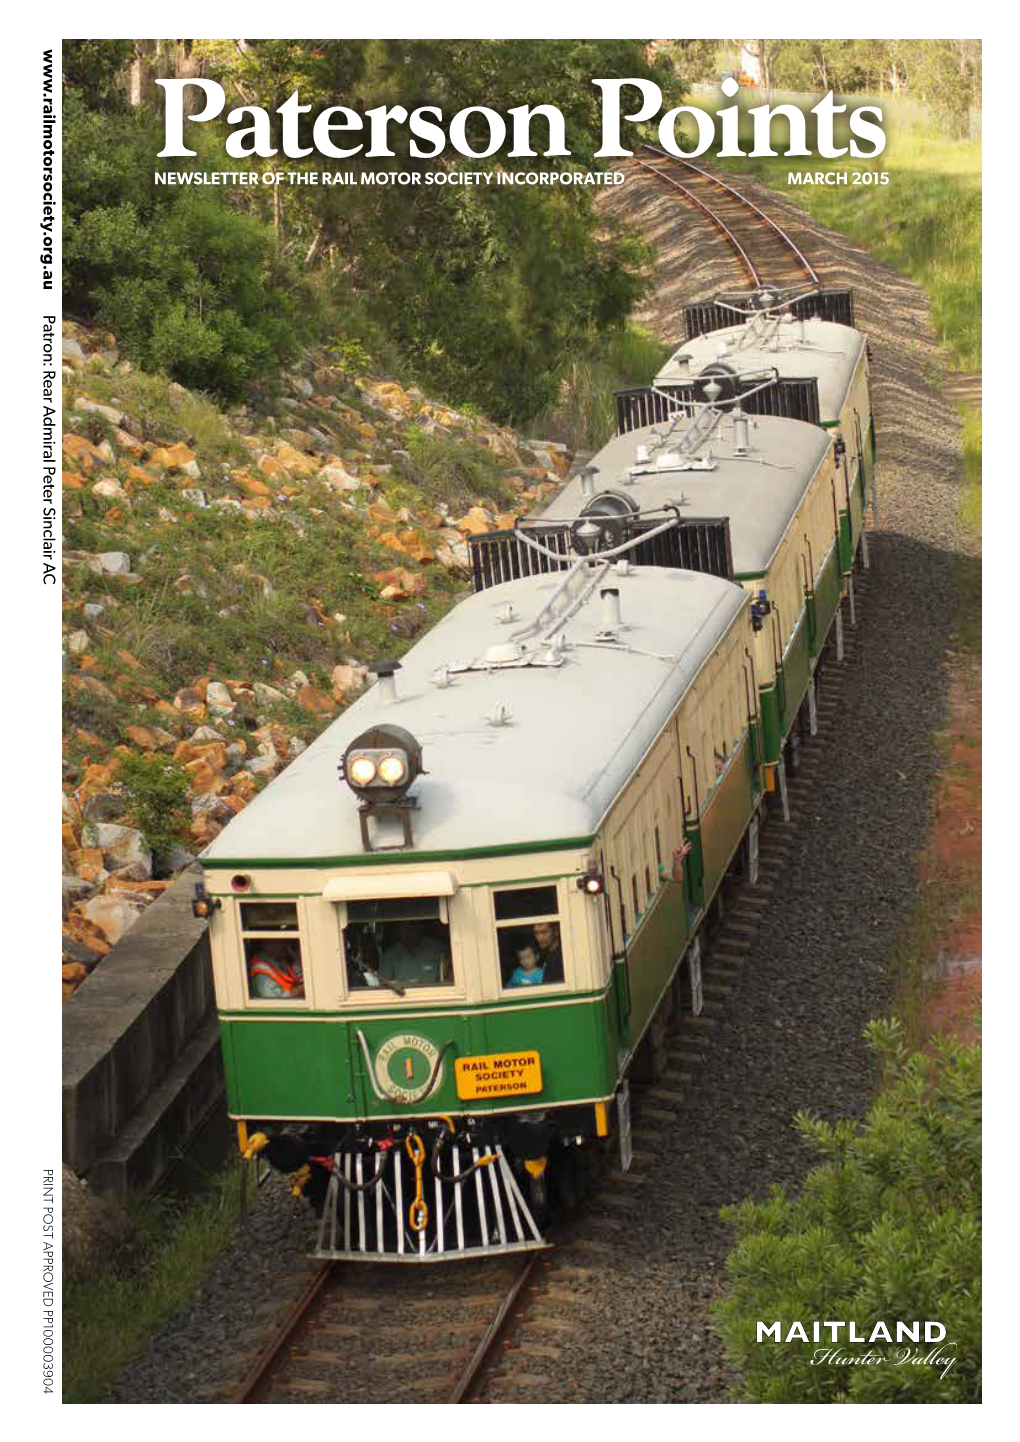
x=413, y=957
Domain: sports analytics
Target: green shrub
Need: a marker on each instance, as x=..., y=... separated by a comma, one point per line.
x=886, y=1229
x=157, y=789
x=350, y=355
x=190, y=285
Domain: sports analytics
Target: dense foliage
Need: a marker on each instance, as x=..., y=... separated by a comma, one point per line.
x=887, y=1228
x=486, y=293
x=189, y=284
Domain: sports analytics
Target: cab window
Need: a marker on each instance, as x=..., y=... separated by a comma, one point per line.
x=398, y=945
x=271, y=938
x=528, y=937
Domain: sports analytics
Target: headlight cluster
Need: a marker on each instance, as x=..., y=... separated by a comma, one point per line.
x=381, y=763
x=386, y=768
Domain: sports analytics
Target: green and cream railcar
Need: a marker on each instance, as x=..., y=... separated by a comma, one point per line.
x=836, y=357
x=777, y=481
x=571, y=762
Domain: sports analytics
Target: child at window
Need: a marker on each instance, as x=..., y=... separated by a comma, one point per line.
x=527, y=972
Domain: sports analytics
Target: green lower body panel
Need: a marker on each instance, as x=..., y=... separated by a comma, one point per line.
x=315, y=1066
x=827, y=595
x=726, y=817
x=781, y=699
x=652, y=955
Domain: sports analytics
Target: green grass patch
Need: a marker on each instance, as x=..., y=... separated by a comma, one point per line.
x=171, y=413
x=970, y=508
x=449, y=470
x=169, y=1251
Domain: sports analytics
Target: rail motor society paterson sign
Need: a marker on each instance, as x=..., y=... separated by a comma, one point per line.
x=501, y=1074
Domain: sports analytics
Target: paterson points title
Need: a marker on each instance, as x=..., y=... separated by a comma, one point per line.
x=340, y=133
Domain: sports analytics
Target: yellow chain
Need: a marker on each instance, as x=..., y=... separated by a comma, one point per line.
x=418, y=1212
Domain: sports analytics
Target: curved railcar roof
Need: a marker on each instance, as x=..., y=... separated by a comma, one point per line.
x=830, y=352
x=578, y=730
x=759, y=492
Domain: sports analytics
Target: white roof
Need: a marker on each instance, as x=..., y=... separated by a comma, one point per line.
x=577, y=730
x=759, y=492
x=830, y=352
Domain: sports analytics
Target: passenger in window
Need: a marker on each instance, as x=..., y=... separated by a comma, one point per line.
x=275, y=972
x=528, y=971
x=413, y=957
x=547, y=935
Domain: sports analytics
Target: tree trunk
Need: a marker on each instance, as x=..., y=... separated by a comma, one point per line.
x=142, y=75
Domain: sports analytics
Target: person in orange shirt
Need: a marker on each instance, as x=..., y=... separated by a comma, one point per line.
x=275, y=974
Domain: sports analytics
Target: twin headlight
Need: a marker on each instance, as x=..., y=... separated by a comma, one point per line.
x=372, y=768
x=381, y=763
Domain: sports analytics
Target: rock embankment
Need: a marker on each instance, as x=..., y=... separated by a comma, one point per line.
x=227, y=578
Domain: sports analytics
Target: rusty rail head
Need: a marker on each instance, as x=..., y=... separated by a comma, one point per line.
x=795, y=250
x=472, y=1374
x=253, y=1387
x=699, y=204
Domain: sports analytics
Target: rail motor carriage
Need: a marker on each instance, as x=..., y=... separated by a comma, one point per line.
x=822, y=373
x=483, y=886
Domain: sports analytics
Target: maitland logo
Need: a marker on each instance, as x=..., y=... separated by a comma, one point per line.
x=904, y=1338
x=880, y=1332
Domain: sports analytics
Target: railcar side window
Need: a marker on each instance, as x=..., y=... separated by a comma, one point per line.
x=398, y=944
x=528, y=937
x=271, y=939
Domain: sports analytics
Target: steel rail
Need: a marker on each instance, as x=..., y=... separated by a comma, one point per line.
x=469, y=1378
x=801, y=258
x=717, y=221
x=256, y=1382
x=252, y=1387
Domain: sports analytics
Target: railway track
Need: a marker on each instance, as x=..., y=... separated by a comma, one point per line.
x=491, y=1329
x=765, y=253
x=386, y=1334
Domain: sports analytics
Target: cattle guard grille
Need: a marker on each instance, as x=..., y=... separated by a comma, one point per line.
x=485, y=1215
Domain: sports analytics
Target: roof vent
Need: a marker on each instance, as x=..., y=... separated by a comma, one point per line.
x=442, y=678
x=500, y=715
x=610, y=610
x=506, y=614
x=588, y=475
x=741, y=433
x=385, y=674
